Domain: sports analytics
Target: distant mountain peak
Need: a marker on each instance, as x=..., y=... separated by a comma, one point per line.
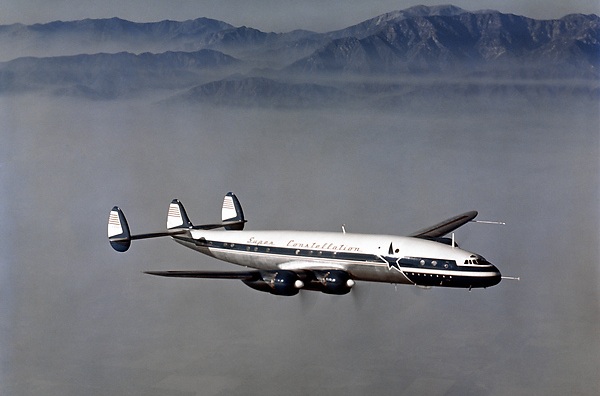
x=369, y=26
x=448, y=38
x=444, y=9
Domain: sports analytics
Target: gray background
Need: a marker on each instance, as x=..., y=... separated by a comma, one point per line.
x=79, y=318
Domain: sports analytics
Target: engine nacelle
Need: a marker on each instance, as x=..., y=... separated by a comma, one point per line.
x=280, y=283
x=336, y=282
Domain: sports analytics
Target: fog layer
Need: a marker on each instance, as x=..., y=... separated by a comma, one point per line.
x=78, y=318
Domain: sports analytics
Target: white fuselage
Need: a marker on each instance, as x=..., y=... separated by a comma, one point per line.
x=378, y=258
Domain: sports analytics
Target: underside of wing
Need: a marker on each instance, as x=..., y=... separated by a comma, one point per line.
x=445, y=226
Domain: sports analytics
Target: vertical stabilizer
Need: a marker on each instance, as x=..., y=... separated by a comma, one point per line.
x=232, y=212
x=177, y=217
x=118, y=230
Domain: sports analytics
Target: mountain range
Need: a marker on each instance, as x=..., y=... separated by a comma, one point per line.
x=439, y=50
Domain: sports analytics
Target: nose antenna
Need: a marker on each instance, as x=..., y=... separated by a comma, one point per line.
x=517, y=278
x=488, y=222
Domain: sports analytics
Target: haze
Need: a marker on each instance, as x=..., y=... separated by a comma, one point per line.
x=78, y=318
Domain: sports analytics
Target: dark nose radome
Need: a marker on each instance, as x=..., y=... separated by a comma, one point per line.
x=494, y=280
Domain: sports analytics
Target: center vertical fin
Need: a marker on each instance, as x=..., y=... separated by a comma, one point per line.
x=232, y=212
x=177, y=217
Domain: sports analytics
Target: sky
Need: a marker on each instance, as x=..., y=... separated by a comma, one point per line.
x=266, y=15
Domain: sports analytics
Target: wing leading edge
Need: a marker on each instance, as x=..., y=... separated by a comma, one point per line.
x=445, y=226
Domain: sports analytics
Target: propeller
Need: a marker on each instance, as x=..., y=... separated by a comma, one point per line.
x=308, y=300
x=360, y=294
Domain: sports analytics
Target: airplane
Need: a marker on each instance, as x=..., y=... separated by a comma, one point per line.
x=286, y=262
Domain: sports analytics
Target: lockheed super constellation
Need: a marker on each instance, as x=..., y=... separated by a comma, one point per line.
x=285, y=262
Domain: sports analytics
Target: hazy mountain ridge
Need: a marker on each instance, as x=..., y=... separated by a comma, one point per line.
x=265, y=92
x=197, y=55
x=262, y=91
x=112, y=75
x=116, y=29
x=440, y=42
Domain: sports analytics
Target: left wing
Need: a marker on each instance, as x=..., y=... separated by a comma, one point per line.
x=241, y=275
x=283, y=282
x=445, y=226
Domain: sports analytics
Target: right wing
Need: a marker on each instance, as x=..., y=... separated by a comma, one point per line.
x=445, y=226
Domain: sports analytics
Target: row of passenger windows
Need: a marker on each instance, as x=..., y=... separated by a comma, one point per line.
x=431, y=275
x=268, y=249
x=434, y=263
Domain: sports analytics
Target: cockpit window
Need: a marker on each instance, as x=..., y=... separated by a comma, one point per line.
x=476, y=261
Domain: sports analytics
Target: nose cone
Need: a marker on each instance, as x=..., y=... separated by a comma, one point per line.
x=495, y=277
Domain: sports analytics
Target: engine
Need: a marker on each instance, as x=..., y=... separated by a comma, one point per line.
x=335, y=282
x=280, y=283
x=289, y=283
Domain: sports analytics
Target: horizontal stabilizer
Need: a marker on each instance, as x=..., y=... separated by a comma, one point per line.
x=158, y=234
x=445, y=226
x=224, y=224
x=120, y=237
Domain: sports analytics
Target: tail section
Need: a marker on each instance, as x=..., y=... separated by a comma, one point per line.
x=120, y=236
x=177, y=217
x=118, y=230
x=178, y=223
x=232, y=213
x=232, y=216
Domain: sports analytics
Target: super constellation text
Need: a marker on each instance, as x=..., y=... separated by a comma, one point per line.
x=309, y=245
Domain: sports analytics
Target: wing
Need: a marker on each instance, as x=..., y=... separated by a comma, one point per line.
x=283, y=282
x=241, y=275
x=445, y=226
